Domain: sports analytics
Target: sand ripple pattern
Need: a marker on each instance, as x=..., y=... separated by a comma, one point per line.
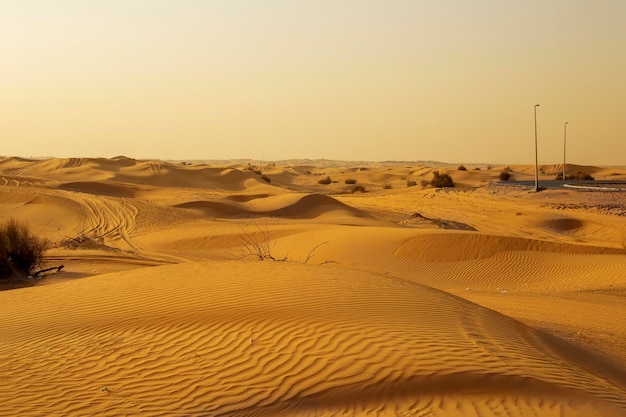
x=252, y=338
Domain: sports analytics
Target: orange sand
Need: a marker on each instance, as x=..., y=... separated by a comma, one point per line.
x=492, y=301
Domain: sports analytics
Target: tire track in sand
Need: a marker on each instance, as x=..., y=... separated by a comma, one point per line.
x=111, y=220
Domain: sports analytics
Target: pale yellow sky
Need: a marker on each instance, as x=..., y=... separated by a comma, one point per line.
x=453, y=81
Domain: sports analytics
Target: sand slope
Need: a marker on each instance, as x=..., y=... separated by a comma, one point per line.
x=483, y=300
x=325, y=340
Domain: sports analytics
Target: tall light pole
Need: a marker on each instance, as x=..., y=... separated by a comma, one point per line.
x=536, y=154
x=564, y=147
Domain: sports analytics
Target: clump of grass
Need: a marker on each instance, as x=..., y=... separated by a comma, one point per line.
x=411, y=183
x=21, y=252
x=359, y=189
x=441, y=180
x=387, y=186
x=462, y=168
x=350, y=181
x=325, y=181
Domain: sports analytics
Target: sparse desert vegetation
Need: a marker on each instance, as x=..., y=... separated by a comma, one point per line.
x=441, y=180
x=21, y=252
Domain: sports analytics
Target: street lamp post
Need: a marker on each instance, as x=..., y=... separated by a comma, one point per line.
x=536, y=154
x=564, y=147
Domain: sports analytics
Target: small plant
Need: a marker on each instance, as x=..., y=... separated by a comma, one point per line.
x=259, y=244
x=462, y=168
x=359, y=189
x=21, y=252
x=387, y=186
x=325, y=181
x=411, y=183
x=350, y=181
x=505, y=175
x=441, y=180
x=81, y=241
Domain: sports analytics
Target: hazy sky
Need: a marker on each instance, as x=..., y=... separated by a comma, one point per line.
x=453, y=81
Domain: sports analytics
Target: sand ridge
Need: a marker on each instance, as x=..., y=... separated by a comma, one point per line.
x=481, y=300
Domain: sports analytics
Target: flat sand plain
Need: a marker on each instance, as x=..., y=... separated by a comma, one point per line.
x=480, y=300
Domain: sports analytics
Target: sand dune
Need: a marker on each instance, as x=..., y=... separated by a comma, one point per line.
x=483, y=300
x=302, y=207
x=234, y=338
x=104, y=189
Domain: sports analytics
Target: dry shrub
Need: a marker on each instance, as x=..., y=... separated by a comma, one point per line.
x=21, y=252
x=325, y=181
x=441, y=180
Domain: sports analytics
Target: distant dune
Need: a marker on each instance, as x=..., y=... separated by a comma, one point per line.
x=399, y=299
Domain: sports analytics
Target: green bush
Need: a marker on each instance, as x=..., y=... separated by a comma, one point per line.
x=505, y=175
x=441, y=180
x=21, y=253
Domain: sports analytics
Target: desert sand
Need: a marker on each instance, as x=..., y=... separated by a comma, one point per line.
x=480, y=300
